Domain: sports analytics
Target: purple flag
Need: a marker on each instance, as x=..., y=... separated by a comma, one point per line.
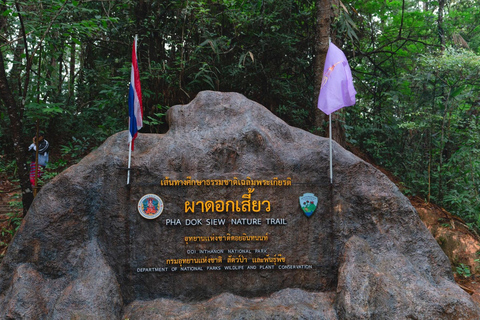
x=337, y=89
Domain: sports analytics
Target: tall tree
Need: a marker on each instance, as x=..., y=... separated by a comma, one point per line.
x=441, y=29
x=15, y=113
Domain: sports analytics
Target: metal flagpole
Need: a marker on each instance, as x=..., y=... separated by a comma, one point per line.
x=129, y=161
x=330, y=131
x=330, y=141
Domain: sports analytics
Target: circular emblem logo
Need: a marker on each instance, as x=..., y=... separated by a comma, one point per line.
x=150, y=206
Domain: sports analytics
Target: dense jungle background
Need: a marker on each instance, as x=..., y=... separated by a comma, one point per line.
x=65, y=66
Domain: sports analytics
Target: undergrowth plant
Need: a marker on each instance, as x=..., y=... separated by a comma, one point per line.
x=463, y=270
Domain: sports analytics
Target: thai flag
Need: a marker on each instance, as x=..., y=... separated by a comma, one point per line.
x=135, y=108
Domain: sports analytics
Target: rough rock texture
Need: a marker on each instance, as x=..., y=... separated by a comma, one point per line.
x=388, y=286
x=284, y=304
x=84, y=252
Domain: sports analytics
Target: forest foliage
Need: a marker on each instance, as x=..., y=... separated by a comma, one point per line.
x=415, y=65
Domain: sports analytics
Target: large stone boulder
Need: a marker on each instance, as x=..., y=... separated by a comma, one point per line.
x=232, y=241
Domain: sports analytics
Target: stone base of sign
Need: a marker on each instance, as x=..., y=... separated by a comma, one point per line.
x=229, y=215
x=284, y=304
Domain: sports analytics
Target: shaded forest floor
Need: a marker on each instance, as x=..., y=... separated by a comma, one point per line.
x=10, y=211
x=458, y=241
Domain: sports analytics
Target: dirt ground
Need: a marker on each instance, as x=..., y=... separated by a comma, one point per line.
x=10, y=211
x=460, y=243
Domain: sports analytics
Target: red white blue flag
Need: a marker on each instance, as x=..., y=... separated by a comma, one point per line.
x=135, y=108
x=337, y=89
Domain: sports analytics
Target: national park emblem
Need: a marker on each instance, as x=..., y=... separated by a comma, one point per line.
x=150, y=206
x=308, y=203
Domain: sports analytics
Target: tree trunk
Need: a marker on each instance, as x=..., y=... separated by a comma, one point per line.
x=16, y=125
x=322, y=35
x=325, y=15
x=71, y=80
x=15, y=114
x=441, y=31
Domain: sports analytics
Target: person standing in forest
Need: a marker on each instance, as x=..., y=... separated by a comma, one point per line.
x=43, y=147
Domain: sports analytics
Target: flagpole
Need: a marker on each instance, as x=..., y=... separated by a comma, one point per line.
x=129, y=162
x=330, y=131
x=330, y=142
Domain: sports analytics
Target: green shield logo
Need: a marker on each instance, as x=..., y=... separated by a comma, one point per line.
x=308, y=203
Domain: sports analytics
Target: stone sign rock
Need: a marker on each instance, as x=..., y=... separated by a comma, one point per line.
x=229, y=215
